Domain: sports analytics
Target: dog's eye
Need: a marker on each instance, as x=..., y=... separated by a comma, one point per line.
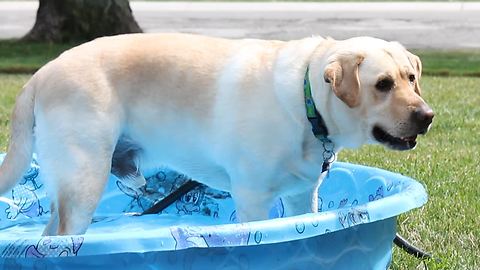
x=411, y=78
x=385, y=85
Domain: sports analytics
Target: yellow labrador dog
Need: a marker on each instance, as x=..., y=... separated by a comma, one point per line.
x=228, y=113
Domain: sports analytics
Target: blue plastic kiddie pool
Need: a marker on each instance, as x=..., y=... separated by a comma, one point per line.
x=354, y=228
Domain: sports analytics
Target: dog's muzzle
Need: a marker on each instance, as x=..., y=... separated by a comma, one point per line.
x=420, y=120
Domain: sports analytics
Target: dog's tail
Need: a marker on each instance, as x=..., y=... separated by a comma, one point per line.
x=20, y=148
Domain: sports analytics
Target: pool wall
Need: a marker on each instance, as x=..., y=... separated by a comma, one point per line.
x=354, y=228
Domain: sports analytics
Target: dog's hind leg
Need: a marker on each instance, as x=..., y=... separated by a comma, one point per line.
x=79, y=189
x=76, y=163
x=79, y=195
x=78, y=184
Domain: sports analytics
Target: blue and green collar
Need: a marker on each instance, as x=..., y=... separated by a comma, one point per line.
x=319, y=128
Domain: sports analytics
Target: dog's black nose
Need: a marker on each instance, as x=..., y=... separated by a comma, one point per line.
x=423, y=117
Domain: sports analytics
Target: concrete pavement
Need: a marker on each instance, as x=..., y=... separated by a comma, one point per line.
x=416, y=24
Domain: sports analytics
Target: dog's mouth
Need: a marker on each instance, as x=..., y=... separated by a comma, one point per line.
x=396, y=143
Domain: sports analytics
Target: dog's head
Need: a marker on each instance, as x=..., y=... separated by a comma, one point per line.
x=378, y=82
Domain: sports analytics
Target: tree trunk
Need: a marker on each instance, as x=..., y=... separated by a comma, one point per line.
x=81, y=20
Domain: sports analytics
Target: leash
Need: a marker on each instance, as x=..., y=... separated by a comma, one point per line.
x=159, y=206
x=409, y=248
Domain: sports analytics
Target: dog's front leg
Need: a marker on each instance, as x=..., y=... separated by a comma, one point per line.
x=301, y=203
x=252, y=203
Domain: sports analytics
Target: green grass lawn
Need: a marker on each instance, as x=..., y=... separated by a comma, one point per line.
x=446, y=161
x=450, y=63
x=21, y=57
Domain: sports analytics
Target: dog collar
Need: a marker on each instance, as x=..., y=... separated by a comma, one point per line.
x=319, y=128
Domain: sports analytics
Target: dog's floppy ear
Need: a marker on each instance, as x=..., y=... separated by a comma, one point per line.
x=417, y=65
x=342, y=74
